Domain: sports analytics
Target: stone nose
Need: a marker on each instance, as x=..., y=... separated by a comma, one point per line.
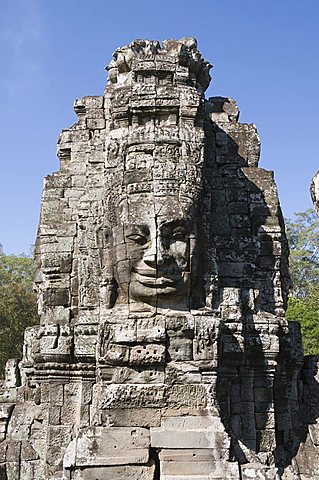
x=150, y=260
x=150, y=254
x=154, y=255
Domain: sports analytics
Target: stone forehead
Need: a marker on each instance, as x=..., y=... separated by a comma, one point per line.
x=160, y=206
x=136, y=208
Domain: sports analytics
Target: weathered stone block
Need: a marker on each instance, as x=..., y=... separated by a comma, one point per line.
x=139, y=374
x=130, y=472
x=258, y=471
x=132, y=396
x=193, y=463
x=194, y=396
x=59, y=435
x=116, y=354
x=151, y=330
x=95, y=123
x=28, y=452
x=56, y=297
x=85, y=339
x=123, y=332
x=12, y=471
x=149, y=354
x=54, y=415
x=5, y=411
x=190, y=432
x=112, y=446
x=23, y=417
x=142, y=417
x=183, y=372
x=180, y=349
x=13, y=452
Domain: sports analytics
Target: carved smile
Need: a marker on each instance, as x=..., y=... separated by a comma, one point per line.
x=152, y=280
x=149, y=273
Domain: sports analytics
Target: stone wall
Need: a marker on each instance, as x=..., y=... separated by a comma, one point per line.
x=162, y=278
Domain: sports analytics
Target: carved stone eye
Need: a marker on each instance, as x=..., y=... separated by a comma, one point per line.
x=137, y=238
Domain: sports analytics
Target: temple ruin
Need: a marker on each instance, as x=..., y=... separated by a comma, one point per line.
x=163, y=352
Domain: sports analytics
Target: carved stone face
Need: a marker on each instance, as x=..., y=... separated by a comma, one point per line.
x=153, y=260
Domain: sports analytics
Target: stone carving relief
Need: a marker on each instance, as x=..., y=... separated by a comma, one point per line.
x=162, y=275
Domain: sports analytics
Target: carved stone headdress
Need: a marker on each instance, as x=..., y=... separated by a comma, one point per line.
x=155, y=141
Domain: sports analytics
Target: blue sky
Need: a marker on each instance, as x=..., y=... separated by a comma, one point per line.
x=264, y=52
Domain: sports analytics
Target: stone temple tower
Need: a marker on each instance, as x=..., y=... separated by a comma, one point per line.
x=162, y=277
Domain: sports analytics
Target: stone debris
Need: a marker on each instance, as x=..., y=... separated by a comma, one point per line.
x=163, y=352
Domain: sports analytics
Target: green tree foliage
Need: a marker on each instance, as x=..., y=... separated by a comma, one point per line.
x=18, y=306
x=306, y=310
x=303, y=238
x=303, y=304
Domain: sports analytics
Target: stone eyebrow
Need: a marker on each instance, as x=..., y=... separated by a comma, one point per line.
x=171, y=224
x=136, y=228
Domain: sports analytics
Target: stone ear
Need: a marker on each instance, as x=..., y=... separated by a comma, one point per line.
x=107, y=286
x=110, y=292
